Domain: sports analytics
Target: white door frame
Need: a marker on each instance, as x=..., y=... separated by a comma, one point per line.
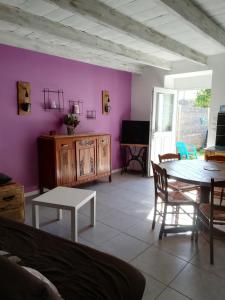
x=153, y=119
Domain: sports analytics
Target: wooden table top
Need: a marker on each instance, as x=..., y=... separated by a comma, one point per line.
x=195, y=171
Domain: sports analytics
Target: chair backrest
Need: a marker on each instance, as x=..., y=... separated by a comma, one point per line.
x=215, y=158
x=214, y=184
x=169, y=157
x=160, y=181
x=182, y=148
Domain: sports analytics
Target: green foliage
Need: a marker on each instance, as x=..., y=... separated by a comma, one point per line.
x=203, y=98
x=71, y=119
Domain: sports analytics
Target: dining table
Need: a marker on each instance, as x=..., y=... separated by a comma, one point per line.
x=197, y=172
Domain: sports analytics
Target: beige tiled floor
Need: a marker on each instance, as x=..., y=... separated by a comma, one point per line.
x=175, y=268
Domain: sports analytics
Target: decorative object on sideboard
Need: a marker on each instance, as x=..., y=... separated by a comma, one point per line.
x=91, y=114
x=71, y=121
x=53, y=100
x=106, y=107
x=52, y=132
x=76, y=107
x=23, y=98
x=4, y=179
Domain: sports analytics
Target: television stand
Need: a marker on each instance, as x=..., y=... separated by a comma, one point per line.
x=134, y=152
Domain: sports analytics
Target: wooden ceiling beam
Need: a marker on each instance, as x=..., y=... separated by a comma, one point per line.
x=56, y=49
x=196, y=18
x=41, y=24
x=108, y=16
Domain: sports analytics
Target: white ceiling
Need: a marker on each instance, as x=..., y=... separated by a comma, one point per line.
x=151, y=13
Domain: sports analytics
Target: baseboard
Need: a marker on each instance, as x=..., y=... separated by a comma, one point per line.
x=36, y=192
x=116, y=171
x=33, y=193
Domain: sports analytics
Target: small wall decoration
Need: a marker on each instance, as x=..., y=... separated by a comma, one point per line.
x=106, y=107
x=76, y=107
x=53, y=100
x=91, y=114
x=23, y=98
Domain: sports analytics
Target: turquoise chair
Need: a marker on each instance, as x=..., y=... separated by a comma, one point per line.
x=187, y=152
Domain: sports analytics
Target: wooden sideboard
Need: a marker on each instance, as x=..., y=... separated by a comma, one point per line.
x=72, y=160
x=12, y=201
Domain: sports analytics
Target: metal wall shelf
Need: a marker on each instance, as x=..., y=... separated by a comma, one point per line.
x=53, y=100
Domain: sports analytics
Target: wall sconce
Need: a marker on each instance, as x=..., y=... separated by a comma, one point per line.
x=23, y=98
x=106, y=107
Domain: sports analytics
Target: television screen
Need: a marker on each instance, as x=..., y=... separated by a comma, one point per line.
x=135, y=132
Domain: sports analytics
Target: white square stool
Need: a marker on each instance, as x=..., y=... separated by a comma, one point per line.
x=65, y=198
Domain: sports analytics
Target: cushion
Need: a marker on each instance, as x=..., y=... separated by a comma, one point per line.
x=4, y=178
x=11, y=257
x=17, y=283
x=40, y=276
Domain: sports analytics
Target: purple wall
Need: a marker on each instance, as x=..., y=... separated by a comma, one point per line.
x=18, y=134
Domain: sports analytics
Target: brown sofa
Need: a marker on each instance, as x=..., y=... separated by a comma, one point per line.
x=79, y=272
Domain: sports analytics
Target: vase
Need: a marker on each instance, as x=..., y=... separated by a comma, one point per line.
x=70, y=130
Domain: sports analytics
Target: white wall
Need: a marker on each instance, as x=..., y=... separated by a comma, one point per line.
x=142, y=86
x=218, y=94
x=192, y=83
x=216, y=63
x=203, y=81
x=141, y=92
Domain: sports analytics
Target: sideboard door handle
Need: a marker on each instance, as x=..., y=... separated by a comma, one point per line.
x=8, y=198
x=64, y=145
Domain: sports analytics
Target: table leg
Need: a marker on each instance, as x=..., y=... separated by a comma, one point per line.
x=74, y=225
x=59, y=214
x=35, y=215
x=204, y=194
x=93, y=210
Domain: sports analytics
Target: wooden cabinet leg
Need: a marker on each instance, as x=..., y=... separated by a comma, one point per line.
x=41, y=189
x=110, y=178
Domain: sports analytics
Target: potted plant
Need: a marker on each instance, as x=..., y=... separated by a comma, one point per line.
x=71, y=121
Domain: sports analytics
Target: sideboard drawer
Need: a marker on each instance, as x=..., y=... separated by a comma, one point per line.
x=12, y=201
x=13, y=214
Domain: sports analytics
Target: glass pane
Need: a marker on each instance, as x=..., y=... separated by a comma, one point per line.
x=164, y=112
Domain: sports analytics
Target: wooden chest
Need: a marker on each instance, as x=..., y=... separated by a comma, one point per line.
x=12, y=201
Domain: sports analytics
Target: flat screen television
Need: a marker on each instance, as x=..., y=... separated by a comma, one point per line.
x=135, y=132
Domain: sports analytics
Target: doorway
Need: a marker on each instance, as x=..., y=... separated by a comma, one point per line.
x=175, y=116
x=192, y=108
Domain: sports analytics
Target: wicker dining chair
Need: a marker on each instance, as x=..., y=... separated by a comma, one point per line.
x=210, y=214
x=174, y=184
x=218, y=192
x=174, y=199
